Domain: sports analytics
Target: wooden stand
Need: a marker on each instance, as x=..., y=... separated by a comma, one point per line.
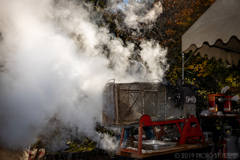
x=152, y=153
x=188, y=133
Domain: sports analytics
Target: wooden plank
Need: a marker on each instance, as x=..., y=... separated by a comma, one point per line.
x=189, y=145
x=145, y=155
x=160, y=152
x=125, y=154
x=154, y=151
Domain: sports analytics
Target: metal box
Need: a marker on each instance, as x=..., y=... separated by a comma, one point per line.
x=125, y=103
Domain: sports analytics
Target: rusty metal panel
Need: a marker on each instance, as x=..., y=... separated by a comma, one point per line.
x=125, y=103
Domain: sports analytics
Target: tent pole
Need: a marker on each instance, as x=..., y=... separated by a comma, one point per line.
x=182, y=67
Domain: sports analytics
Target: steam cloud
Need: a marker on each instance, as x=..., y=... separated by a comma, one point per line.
x=135, y=14
x=53, y=65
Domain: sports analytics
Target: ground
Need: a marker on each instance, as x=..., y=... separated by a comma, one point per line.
x=90, y=155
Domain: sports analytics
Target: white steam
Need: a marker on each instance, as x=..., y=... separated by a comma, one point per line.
x=56, y=67
x=135, y=14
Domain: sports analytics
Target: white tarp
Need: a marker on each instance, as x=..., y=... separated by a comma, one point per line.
x=219, y=29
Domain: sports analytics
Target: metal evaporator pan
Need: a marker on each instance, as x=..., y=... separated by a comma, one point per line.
x=155, y=144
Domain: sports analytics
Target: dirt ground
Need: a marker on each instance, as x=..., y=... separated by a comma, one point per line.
x=91, y=155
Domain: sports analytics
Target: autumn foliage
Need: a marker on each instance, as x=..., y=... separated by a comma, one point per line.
x=177, y=17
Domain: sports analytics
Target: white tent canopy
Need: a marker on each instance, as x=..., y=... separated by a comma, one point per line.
x=216, y=33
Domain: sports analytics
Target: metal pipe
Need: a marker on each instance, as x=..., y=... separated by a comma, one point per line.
x=140, y=140
x=143, y=103
x=120, y=143
x=182, y=68
x=115, y=91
